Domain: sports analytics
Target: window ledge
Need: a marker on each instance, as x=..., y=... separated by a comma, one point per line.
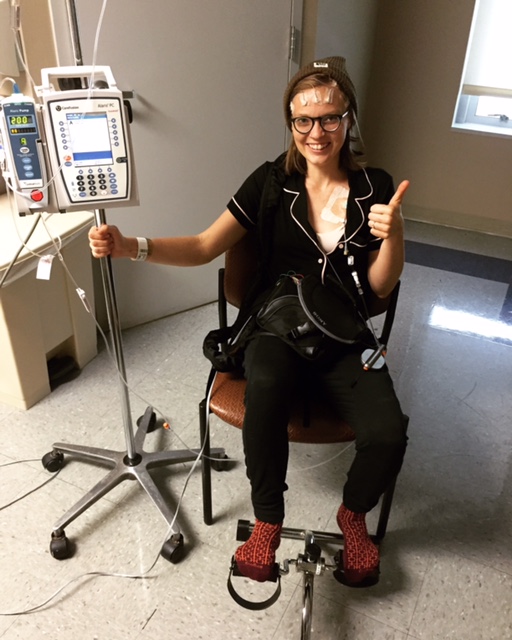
x=483, y=128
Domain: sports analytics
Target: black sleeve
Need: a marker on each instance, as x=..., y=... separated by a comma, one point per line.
x=245, y=204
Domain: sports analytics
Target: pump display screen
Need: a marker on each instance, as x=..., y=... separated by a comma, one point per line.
x=19, y=125
x=16, y=121
x=89, y=138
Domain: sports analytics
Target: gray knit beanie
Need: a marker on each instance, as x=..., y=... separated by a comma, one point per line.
x=333, y=67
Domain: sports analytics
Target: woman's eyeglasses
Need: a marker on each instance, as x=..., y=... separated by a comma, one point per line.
x=329, y=123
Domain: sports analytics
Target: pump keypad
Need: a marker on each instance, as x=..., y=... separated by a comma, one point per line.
x=90, y=183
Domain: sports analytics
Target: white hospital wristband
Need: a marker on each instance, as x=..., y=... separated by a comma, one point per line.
x=142, y=250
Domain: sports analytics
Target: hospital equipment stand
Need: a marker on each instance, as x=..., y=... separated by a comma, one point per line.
x=132, y=464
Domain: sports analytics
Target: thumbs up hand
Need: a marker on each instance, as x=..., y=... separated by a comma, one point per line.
x=385, y=220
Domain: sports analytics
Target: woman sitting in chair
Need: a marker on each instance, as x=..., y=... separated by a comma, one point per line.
x=315, y=209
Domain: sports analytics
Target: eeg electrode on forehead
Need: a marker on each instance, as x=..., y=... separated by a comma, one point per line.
x=312, y=96
x=334, y=68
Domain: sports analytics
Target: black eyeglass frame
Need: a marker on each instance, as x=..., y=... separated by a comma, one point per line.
x=319, y=120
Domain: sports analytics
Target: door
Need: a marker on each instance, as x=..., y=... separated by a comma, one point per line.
x=208, y=80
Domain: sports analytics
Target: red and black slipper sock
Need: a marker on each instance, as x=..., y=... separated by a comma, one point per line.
x=256, y=557
x=360, y=554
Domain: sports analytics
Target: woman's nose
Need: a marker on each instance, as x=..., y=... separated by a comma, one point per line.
x=317, y=130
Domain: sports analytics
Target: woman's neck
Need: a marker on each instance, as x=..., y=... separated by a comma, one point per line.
x=324, y=178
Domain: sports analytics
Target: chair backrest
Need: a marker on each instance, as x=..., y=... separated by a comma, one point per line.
x=239, y=269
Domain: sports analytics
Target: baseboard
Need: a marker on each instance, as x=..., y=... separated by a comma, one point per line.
x=492, y=226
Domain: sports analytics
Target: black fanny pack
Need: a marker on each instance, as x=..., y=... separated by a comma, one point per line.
x=310, y=316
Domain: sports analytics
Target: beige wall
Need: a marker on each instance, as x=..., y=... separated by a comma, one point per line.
x=347, y=28
x=309, y=27
x=458, y=178
x=38, y=36
x=38, y=44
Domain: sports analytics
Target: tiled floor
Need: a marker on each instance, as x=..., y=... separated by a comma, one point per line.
x=446, y=560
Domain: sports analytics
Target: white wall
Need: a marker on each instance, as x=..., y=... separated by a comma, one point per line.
x=208, y=80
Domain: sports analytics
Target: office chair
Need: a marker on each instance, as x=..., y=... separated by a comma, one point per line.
x=314, y=423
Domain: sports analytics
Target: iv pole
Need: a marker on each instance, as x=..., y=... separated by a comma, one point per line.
x=132, y=464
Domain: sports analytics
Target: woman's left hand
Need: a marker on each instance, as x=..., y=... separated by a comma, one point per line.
x=385, y=220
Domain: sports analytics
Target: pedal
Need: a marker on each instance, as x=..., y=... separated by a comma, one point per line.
x=339, y=575
x=273, y=577
x=243, y=530
x=250, y=604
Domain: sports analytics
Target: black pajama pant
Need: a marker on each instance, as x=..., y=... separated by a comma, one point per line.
x=365, y=399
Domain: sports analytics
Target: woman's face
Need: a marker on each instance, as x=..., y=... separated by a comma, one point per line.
x=319, y=147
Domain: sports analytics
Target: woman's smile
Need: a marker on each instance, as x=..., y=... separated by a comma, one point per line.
x=318, y=146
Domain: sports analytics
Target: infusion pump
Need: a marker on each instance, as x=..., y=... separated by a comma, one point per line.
x=72, y=149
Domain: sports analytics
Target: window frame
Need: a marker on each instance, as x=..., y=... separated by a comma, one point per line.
x=487, y=72
x=466, y=119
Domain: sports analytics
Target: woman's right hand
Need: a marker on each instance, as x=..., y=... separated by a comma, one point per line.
x=107, y=240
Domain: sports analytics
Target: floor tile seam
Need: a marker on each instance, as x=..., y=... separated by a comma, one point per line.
x=285, y=609
x=88, y=488
x=47, y=601
x=26, y=493
x=426, y=573
x=472, y=559
x=358, y=611
x=14, y=619
x=10, y=461
x=184, y=385
x=492, y=418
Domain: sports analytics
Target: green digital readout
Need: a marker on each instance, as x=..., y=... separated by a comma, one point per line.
x=16, y=121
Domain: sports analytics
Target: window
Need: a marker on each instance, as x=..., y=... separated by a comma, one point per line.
x=485, y=96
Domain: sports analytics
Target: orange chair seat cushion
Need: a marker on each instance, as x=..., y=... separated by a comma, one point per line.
x=227, y=402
